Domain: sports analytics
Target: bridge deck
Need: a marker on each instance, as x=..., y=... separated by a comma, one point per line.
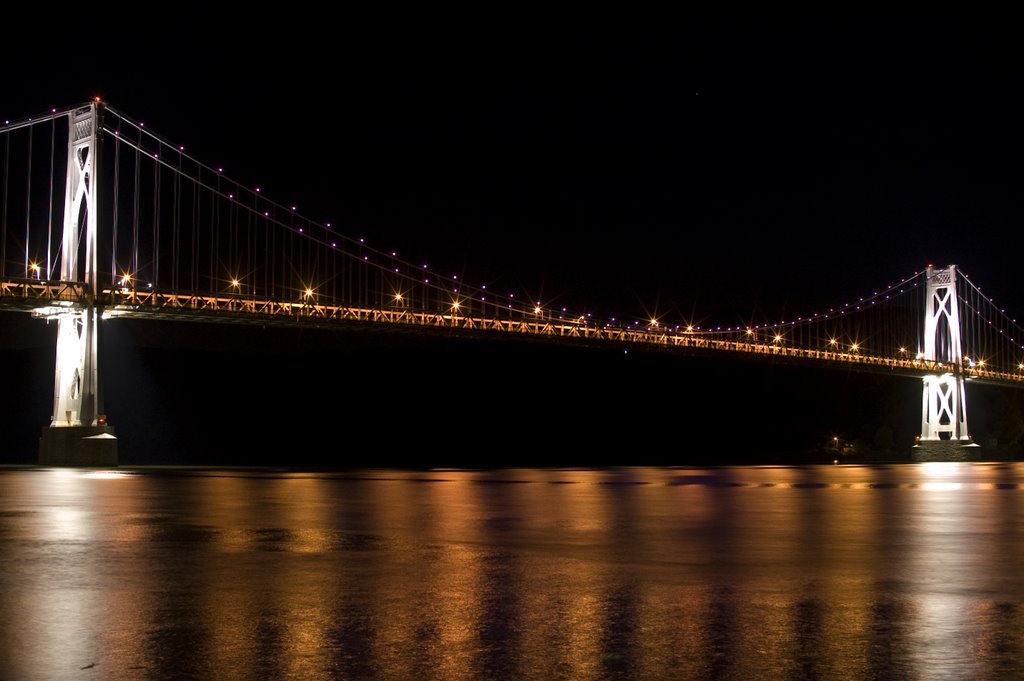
x=49, y=298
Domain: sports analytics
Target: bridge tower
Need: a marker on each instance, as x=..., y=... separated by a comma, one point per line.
x=78, y=434
x=944, y=434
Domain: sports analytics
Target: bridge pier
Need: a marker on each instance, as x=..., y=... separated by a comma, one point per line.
x=89, y=446
x=945, y=450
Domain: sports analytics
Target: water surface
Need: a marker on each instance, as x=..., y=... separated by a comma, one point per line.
x=827, y=572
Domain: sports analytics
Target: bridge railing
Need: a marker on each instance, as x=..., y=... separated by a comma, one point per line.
x=35, y=292
x=126, y=300
x=31, y=294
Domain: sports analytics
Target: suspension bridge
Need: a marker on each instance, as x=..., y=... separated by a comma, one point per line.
x=102, y=219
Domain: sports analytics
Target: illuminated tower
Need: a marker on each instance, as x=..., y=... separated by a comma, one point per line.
x=944, y=405
x=78, y=433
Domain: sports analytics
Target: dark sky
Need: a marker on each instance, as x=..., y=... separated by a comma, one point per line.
x=616, y=165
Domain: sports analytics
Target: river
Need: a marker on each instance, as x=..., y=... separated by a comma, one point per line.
x=816, y=572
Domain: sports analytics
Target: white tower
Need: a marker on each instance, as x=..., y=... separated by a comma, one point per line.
x=75, y=383
x=78, y=434
x=944, y=405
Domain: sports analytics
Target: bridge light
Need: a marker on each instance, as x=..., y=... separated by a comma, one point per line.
x=903, y=351
x=750, y=332
x=689, y=328
x=398, y=297
x=536, y=310
x=236, y=283
x=854, y=347
x=309, y=293
x=833, y=342
x=981, y=362
x=1020, y=366
x=126, y=279
x=778, y=337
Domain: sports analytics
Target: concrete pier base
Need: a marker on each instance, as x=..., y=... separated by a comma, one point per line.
x=945, y=450
x=90, y=446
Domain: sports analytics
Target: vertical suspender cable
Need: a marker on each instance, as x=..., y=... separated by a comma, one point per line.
x=983, y=322
x=922, y=303
x=198, y=223
x=250, y=246
x=115, y=218
x=986, y=342
x=993, y=329
x=49, y=217
x=176, y=226
x=156, y=218
x=28, y=199
x=266, y=257
x=273, y=253
x=135, y=208
x=975, y=317
x=233, y=247
x=194, y=224
x=3, y=214
x=290, y=257
x=331, y=262
x=214, y=238
x=970, y=315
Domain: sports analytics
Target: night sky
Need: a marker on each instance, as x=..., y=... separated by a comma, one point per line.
x=689, y=168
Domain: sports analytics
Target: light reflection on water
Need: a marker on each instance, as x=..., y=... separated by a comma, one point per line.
x=840, y=572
